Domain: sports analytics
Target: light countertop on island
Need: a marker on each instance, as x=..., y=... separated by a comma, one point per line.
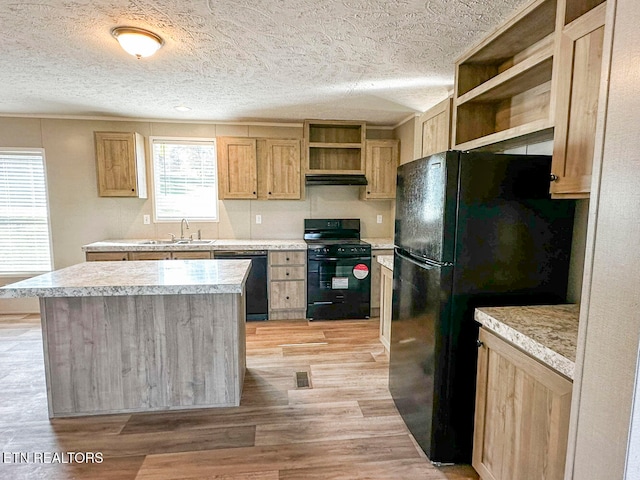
x=162, y=277
x=548, y=333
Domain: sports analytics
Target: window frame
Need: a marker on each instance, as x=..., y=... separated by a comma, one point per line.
x=41, y=152
x=185, y=141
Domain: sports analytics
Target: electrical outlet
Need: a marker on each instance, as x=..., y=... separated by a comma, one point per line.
x=379, y=218
x=146, y=219
x=258, y=219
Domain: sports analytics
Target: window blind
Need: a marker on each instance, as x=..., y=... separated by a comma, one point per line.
x=24, y=215
x=184, y=179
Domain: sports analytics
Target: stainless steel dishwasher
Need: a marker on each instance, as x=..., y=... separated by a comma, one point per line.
x=256, y=287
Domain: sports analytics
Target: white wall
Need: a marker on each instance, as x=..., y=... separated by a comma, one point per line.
x=610, y=311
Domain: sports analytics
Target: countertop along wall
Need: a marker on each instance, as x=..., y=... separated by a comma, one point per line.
x=79, y=216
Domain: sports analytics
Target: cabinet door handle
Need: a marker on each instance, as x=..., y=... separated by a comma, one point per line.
x=133, y=189
x=287, y=298
x=553, y=177
x=254, y=193
x=269, y=193
x=287, y=274
x=287, y=259
x=479, y=343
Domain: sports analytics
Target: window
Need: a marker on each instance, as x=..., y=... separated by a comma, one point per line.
x=24, y=213
x=184, y=179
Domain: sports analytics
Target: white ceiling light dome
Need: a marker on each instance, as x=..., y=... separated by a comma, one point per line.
x=137, y=41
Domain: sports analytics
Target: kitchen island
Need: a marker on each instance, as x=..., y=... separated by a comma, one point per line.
x=141, y=336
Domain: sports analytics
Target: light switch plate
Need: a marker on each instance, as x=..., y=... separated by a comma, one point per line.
x=258, y=219
x=379, y=218
x=146, y=219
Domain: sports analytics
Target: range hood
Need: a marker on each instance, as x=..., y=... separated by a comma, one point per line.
x=335, y=179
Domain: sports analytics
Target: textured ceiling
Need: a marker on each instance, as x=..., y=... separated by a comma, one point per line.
x=240, y=60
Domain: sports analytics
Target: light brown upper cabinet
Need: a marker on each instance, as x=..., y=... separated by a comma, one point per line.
x=237, y=168
x=120, y=164
x=281, y=161
x=502, y=90
x=435, y=131
x=577, y=73
x=334, y=147
x=259, y=168
x=381, y=164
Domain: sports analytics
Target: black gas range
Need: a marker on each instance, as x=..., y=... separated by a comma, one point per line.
x=338, y=270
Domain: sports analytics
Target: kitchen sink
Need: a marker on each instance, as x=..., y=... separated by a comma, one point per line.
x=194, y=242
x=176, y=242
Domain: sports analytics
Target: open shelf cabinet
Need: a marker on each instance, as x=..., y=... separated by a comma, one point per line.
x=334, y=146
x=503, y=85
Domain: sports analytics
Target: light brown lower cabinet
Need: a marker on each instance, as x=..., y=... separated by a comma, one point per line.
x=106, y=256
x=386, y=298
x=156, y=255
x=375, y=281
x=522, y=415
x=287, y=284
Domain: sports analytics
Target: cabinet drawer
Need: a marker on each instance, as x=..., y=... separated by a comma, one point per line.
x=194, y=255
x=106, y=256
x=288, y=257
x=287, y=273
x=287, y=295
x=149, y=255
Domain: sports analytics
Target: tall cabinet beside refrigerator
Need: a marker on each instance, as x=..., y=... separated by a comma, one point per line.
x=472, y=229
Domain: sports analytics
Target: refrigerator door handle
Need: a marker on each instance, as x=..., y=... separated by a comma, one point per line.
x=423, y=262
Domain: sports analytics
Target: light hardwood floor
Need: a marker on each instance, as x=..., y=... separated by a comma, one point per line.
x=343, y=427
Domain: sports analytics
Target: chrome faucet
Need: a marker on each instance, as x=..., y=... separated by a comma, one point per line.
x=182, y=222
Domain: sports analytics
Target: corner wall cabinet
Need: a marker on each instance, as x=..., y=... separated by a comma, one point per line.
x=120, y=162
x=259, y=168
x=578, y=71
x=381, y=165
x=334, y=147
x=435, y=129
x=522, y=414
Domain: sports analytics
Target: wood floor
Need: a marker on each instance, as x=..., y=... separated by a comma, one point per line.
x=344, y=426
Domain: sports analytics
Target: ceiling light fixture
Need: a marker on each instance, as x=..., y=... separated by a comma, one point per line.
x=182, y=108
x=136, y=41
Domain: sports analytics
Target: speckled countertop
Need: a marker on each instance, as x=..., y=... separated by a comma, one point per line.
x=548, y=333
x=380, y=243
x=143, y=245
x=385, y=260
x=161, y=277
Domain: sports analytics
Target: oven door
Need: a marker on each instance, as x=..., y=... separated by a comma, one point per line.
x=338, y=288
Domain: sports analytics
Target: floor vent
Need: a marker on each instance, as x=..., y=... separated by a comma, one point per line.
x=302, y=380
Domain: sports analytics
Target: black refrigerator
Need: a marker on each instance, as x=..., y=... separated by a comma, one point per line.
x=472, y=229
